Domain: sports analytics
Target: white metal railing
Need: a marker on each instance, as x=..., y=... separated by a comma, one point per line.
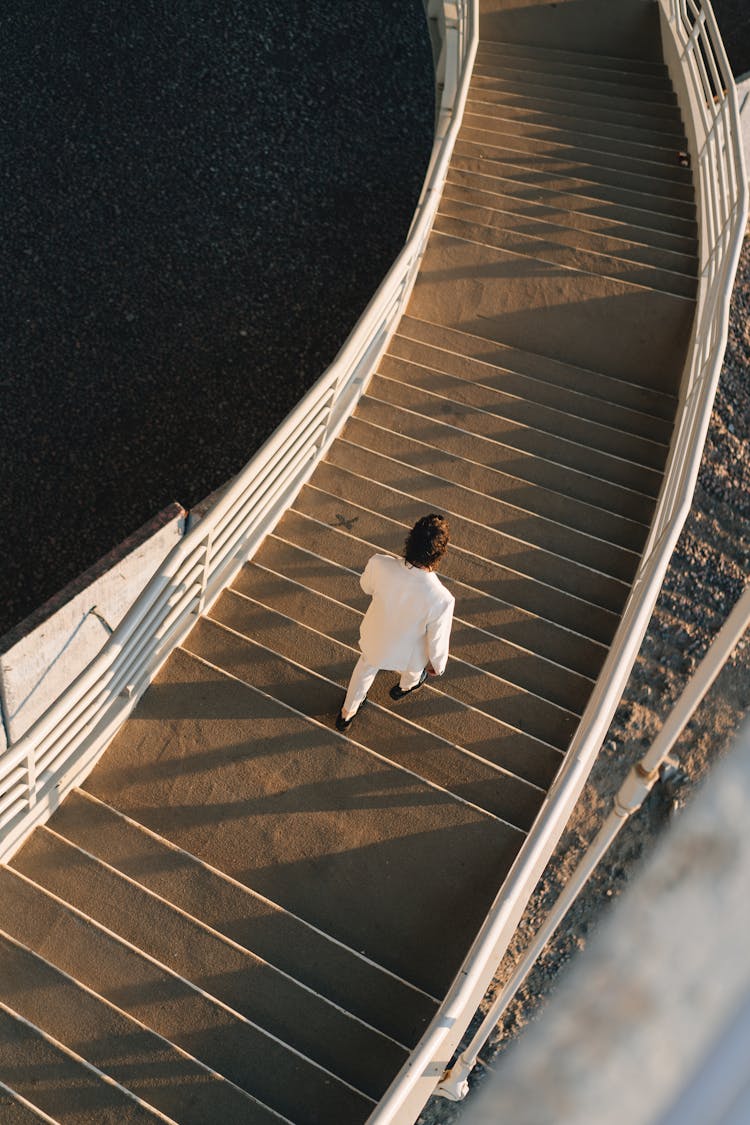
x=62, y=745
x=708, y=102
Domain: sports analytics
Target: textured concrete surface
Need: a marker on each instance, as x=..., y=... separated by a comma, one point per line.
x=198, y=204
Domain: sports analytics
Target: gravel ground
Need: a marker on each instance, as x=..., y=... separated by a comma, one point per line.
x=708, y=572
x=198, y=204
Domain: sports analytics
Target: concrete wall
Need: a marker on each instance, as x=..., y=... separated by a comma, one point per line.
x=45, y=653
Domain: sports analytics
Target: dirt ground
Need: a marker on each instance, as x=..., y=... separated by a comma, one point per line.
x=707, y=574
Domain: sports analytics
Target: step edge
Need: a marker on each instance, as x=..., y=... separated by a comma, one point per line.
x=519, y=78
x=566, y=226
x=552, y=554
x=534, y=379
x=18, y=1097
x=126, y=1016
x=525, y=426
x=353, y=740
x=463, y=550
x=581, y=148
x=561, y=265
x=541, y=51
x=554, y=464
x=216, y=934
x=468, y=624
x=529, y=115
x=473, y=101
x=595, y=508
x=663, y=95
x=493, y=499
x=467, y=586
x=533, y=103
x=617, y=75
x=213, y=1000
x=455, y=168
x=672, y=400
x=216, y=872
x=434, y=687
x=595, y=185
x=544, y=159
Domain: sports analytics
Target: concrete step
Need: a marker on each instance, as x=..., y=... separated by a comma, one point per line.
x=515, y=463
x=578, y=65
x=246, y=918
x=440, y=707
x=578, y=94
x=600, y=31
x=466, y=565
x=270, y=999
x=474, y=409
x=508, y=639
x=628, y=188
x=585, y=394
x=339, y=487
x=524, y=302
x=489, y=129
x=305, y=816
x=16, y=1110
x=575, y=179
x=481, y=225
x=163, y=1004
x=56, y=1080
x=519, y=524
x=392, y=736
x=577, y=206
x=603, y=138
x=517, y=493
x=44, y=992
x=597, y=60
x=510, y=213
x=649, y=129
x=578, y=81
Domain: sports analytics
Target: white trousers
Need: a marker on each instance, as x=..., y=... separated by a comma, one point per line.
x=361, y=682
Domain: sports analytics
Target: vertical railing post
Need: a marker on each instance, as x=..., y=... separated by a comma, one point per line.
x=31, y=776
x=198, y=610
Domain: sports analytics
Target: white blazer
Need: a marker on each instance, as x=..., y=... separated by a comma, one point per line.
x=408, y=622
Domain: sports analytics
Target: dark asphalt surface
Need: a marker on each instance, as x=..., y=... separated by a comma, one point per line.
x=198, y=201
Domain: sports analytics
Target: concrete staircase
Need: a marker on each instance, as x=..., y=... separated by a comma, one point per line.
x=246, y=917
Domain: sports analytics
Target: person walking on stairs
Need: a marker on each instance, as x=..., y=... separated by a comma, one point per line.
x=408, y=623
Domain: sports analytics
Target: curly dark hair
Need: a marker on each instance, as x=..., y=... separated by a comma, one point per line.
x=427, y=541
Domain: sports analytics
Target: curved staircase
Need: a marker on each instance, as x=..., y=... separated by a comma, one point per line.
x=244, y=916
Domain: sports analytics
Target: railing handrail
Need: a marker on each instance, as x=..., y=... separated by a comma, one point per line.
x=205, y=559
x=677, y=491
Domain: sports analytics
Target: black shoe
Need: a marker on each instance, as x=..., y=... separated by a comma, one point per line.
x=343, y=724
x=397, y=693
